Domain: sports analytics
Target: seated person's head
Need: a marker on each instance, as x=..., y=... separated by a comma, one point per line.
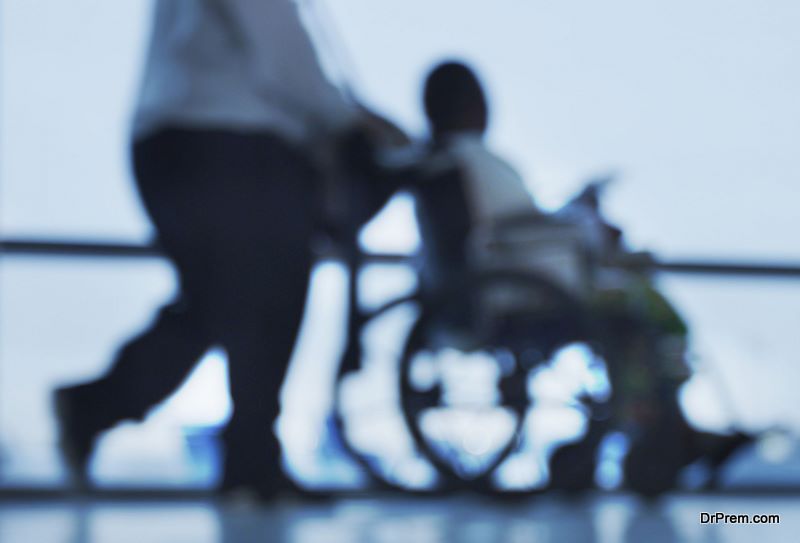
x=454, y=101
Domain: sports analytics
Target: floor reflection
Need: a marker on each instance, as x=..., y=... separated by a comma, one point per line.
x=601, y=519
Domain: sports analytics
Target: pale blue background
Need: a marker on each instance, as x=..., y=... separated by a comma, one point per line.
x=693, y=103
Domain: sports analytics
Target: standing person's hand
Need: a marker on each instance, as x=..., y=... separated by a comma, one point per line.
x=361, y=187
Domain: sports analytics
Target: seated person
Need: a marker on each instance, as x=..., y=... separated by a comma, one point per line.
x=458, y=184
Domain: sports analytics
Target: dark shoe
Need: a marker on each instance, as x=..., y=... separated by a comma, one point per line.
x=77, y=435
x=279, y=489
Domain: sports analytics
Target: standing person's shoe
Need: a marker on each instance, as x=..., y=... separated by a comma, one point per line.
x=79, y=426
x=277, y=489
x=252, y=471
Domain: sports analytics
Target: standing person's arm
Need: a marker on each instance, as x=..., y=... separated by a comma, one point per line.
x=284, y=64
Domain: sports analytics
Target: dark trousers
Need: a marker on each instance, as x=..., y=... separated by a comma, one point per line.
x=234, y=213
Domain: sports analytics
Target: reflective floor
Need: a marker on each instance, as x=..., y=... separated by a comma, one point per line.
x=602, y=519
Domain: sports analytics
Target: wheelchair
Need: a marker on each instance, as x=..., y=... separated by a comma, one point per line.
x=457, y=409
x=463, y=369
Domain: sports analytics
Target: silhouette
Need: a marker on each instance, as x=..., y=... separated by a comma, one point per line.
x=232, y=104
x=459, y=185
x=462, y=187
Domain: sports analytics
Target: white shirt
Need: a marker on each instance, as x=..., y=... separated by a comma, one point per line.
x=238, y=64
x=494, y=189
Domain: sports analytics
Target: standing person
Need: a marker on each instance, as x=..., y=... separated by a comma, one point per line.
x=232, y=99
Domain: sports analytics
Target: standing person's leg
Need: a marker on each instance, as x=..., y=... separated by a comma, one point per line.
x=152, y=365
x=145, y=371
x=266, y=222
x=235, y=214
x=258, y=354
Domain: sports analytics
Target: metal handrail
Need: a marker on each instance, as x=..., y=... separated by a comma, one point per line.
x=50, y=248
x=29, y=247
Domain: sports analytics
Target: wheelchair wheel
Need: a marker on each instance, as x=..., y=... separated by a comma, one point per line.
x=367, y=416
x=466, y=366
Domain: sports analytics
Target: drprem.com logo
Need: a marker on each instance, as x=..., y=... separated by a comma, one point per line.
x=723, y=518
